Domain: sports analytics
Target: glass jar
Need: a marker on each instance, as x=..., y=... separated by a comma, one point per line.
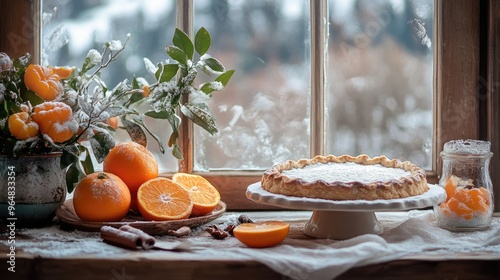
x=469, y=190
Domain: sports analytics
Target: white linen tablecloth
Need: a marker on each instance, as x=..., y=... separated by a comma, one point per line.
x=405, y=234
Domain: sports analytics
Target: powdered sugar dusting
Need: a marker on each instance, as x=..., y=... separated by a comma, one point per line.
x=123, y=150
x=54, y=242
x=346, y=172
x=105, y=188
x=65, y=126
x=472, y=147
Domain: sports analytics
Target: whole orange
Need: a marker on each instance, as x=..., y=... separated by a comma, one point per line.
x=101, y=197
x=134, y=164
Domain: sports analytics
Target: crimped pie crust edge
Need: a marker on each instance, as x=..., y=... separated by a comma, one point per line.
x=274, y=181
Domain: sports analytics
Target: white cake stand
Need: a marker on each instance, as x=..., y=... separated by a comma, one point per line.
x=347, y=218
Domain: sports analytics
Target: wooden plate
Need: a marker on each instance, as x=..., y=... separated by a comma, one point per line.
x=67, y=216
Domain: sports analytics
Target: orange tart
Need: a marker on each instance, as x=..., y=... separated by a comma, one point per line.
x=346, y=178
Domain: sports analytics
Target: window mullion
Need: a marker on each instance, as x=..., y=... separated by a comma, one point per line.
x=185, y=15
x=319, y=41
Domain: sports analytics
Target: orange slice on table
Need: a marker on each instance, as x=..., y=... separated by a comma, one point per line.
x=204, y=195
x=162, y=199
x=262, y=234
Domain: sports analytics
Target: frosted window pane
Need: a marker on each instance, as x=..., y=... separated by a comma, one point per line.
x=381, y=79
x=262, y=115
x=71, y=28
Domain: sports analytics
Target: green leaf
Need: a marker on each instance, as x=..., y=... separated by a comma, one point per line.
x=86, y=163
x=177, y=54
x=137, y=125
x=135, y=132
x=134, y=97
x=214, y=64
x=68, y=158
x=225, y=77
x=202, y=41
x=174, y=121
x=79, y=169
x=176, y=152
x=32, y=97
x=199, y=117
x=160, y=144
x=101, y=142
x=172, y=140
x=169, y=71
x=157, y=115
x=210, y=87
x=91, y=60
x=73, y=176
x=135, y=83
x=159, y=70
x=183, y=42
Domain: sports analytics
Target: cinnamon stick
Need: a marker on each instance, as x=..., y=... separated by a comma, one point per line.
x=120, y=237
x=147, y=241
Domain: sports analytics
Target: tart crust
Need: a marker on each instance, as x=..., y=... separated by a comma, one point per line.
x=412, y=183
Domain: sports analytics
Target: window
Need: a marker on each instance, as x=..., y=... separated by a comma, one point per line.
x=464, y=66
x=380, y=96
x=378, y=85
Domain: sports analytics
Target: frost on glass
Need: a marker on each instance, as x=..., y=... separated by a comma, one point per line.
x=262, y=114
x=71, y=30
x=381, y=79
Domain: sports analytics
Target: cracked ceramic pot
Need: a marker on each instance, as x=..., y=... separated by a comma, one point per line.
x=31, y=189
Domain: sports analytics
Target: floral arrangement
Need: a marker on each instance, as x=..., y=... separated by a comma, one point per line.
x=59, y=109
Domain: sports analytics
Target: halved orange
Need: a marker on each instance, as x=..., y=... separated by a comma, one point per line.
x=261, y=234
x=162, y=199
x=204, y=195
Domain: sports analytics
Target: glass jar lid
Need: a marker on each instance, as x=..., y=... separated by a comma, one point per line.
x=467, y=147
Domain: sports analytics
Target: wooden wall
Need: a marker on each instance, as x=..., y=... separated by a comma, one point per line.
x=18, y=32
x=491, y=83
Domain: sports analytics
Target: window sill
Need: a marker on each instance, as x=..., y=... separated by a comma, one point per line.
x=54, y=253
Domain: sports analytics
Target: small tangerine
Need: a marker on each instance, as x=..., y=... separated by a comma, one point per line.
x=21, y=126
x=43, y=81
x=55, y=120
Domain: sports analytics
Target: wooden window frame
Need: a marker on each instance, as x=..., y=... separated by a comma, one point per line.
x=466, y=81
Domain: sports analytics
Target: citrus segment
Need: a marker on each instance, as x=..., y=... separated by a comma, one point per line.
x=63, y=71
x=261, y=234
x=450, y=187
x=43, y=81
x=55, y=119
x=134, y=164
x=204, y=195
x=21, y=126
x=465, y=202
x=101, y=197
x=161, y=199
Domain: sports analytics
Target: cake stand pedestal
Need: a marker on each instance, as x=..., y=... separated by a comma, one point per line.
x=346, y=218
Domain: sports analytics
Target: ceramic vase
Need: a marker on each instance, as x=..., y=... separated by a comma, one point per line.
x=31, y=189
